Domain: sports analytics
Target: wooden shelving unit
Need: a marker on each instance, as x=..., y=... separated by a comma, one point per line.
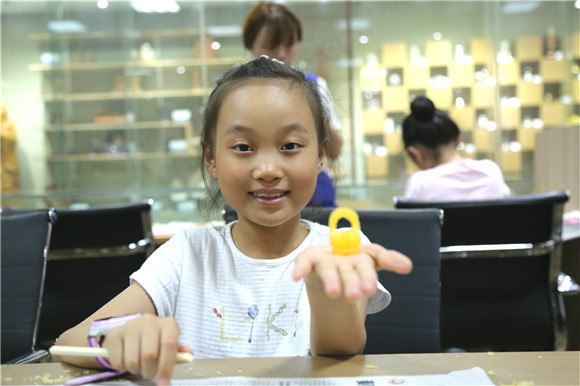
x=123, y=95
x=120, y=35
x=497, y=106
x=115, y=126
x=119, y=157
x=122, y=106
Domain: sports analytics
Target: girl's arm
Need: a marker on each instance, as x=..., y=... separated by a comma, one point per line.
x=147, y=345
x=338, y=290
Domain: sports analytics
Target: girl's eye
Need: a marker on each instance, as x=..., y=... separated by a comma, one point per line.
x=291, y=146
x=242, y=148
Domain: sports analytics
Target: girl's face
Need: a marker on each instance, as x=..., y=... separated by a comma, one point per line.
x=284, y=52
x=266, y=156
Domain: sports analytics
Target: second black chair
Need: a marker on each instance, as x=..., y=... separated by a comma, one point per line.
x=93, y=252
x=24, y=243
x=500, y=262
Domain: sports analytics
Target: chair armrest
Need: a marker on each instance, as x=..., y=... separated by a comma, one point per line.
x=31, y=357
x=497, y=250
x=567, y=285
x=132, y=249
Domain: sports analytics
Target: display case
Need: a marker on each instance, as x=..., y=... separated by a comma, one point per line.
x=122, y=107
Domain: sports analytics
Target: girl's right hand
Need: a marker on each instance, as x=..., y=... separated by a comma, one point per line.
x=147, y=345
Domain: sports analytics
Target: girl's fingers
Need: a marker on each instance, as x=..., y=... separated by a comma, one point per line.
x=302, y=268
x=114, y=345
x=132, y=350
x=351, y=276
x=183, y=348
x=387, y=259
x=146, y=346
x=305, y=262
x=368, y=278
x=149, y=352
x=351, y=282
x=327, y=271
x=169, y=346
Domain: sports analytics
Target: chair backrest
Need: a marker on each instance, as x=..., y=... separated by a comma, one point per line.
x=25, y=238
x=93, y=252
x=411, y=322
x=500, y=261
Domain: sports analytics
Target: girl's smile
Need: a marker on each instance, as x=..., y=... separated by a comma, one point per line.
x=269, y=196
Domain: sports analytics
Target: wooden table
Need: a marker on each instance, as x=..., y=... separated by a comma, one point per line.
x=541, y=368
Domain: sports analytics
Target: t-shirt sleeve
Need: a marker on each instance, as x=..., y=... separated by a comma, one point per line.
x=379, y=301
x=382, y=298
x=160, y=275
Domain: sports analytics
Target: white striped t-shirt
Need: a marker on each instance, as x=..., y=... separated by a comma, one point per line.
x=228, y=304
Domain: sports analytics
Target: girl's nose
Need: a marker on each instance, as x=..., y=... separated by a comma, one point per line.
x=267, y=169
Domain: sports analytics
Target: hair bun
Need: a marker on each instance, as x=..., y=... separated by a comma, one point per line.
x=422, y=109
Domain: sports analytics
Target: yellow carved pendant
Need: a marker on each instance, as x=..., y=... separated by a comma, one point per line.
x=344, y=241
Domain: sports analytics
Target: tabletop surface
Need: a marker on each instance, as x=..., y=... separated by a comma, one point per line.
x=503, y=368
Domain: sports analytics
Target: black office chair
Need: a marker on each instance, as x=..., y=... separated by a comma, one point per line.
x=25, y=238
x=93, y=253
x=410, y=324
x=500, y=263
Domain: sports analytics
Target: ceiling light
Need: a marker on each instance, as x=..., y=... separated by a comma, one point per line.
x=519, y=6
x=224, y=31
x=356, y=24
x=66, y=26
x=155, y=6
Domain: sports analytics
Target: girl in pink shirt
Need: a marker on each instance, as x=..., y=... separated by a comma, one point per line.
x=431, y=139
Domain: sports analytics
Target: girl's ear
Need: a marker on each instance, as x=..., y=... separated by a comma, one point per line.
x=321, y=156
x=210, y=163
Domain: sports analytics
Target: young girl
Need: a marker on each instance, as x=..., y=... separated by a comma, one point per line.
x=431, y=140
x=267, y=284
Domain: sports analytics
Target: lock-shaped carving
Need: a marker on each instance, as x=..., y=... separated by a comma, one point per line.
x=344, y=241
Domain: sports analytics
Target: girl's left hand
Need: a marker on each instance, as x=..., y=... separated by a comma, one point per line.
x=352, y=275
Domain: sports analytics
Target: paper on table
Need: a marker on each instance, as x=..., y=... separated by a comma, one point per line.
x=473, y=376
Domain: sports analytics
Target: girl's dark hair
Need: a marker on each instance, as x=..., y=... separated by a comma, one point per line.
x=428, y=126
x=258, y=71
x=283, y=25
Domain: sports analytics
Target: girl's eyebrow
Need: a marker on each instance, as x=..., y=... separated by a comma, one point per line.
x=294, y=127
x=286, y=129
x=237, y=129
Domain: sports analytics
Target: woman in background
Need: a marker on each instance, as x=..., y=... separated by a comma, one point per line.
x=273, y=30
x=431, y=138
